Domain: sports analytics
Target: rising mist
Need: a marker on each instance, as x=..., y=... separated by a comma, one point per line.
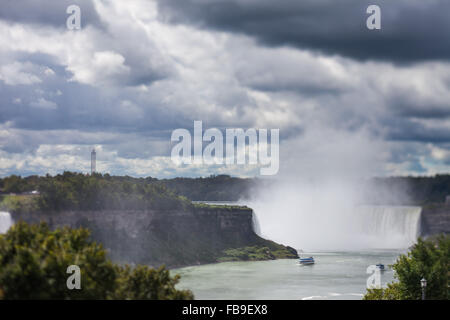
x=319, y=201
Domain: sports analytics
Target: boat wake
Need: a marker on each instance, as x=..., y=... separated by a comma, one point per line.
x=334, y=295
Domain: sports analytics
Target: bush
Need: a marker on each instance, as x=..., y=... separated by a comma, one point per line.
x=34, y=261
x=143, y=283
x=428, y=259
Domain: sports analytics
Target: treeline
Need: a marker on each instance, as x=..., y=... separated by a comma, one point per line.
x=17, y=184
x=76, y=191
x=105, y=191
x=212, y=188
x=416, y=190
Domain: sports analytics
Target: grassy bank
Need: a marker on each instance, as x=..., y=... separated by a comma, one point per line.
x=222, y=207
x=267, y=250
x=19, y=203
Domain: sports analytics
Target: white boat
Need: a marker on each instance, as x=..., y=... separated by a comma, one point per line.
x=304, y=261
x=381, y=267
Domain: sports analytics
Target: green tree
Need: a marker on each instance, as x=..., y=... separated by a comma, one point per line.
x=75, y=191
x=428, y=259
x=14, y=184
x=143, y=283
x=34, y=261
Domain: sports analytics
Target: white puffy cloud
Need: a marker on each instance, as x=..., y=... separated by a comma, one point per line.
x=103, y=68
x=18, y=73
x=44, y=104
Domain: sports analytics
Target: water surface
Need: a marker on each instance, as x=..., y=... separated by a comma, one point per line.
x=336, y=275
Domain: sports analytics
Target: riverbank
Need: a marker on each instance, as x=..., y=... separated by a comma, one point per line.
x=435, y=219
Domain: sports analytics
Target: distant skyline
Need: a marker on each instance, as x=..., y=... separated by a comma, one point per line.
x=346, y=99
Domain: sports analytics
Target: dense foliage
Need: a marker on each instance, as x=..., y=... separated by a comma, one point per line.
x=429, y=259
x=17, y=184
x=76, y=191
x=34, y=261
x=213, y=188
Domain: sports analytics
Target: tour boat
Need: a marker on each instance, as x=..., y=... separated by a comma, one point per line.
x=309, y=260
x=380, y=266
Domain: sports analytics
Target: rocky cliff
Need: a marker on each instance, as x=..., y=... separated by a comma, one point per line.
x=173, y=238
x=435, y=219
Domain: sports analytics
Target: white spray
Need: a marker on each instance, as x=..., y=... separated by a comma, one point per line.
x=316, y=202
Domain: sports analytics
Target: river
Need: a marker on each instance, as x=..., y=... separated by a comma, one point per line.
x=336, y=275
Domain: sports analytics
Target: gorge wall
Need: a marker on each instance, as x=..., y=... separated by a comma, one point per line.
x=173, y=238
x=435, y=219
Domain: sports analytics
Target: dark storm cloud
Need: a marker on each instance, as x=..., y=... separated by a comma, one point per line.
x=411, y=30
x=402, y=129
x=77, y=106
x=404, y=107
x=47, y=12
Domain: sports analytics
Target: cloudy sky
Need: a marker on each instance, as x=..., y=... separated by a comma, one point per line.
x=344, y=97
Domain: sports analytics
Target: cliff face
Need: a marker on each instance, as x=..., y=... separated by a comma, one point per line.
x=435, y=219
x=173, y=238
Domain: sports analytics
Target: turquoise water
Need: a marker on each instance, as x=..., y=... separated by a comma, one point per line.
x=336, y=275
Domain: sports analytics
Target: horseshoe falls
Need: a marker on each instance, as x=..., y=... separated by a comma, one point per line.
x=319, y=227
x=388, y=227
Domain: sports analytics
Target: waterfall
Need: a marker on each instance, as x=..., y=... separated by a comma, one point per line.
x=389, y=226
x=5, y=221
x=324, y=226
x=255, y=224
